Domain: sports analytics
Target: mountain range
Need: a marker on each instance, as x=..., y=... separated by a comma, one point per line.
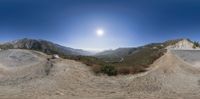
x=121, y=56
x=125, y=53
x=123, y=60
x=43, y=46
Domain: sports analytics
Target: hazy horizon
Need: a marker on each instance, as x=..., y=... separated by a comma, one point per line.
x=96, y=50
x=100, y=24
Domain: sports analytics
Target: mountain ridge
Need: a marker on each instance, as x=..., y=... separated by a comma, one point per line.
x=43, y=46
x=122, y=52
x=120, y=61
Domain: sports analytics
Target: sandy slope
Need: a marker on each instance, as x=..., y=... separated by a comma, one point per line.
x=169, y=78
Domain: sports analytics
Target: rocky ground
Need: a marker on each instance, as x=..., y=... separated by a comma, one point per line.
x=26, y=74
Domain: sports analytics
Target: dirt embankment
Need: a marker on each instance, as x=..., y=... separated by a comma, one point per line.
x=170, y=77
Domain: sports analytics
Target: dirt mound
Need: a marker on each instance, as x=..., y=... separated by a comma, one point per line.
x=18, y=65
x=169, y=78
x=15, y=58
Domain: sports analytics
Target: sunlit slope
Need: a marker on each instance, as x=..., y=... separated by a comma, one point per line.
x=170, y=77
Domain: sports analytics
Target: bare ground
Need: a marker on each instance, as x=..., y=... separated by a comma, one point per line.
x=28, y=75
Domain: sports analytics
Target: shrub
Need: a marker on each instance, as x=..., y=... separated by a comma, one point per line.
x=131, y=70
x=194, y=47
x=124, y=70
x=109, y=70
x=196, y=44
x=96, y=68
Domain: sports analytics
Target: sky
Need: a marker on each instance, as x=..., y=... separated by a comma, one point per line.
x=125, y=23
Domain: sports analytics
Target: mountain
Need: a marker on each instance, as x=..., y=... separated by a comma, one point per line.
x=139, y=59
x=114, y=55
x=43, y=46
x=149, y=51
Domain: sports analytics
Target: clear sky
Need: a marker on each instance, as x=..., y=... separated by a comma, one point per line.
x=125, y=23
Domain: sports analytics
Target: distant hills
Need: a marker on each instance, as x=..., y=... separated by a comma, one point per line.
x=108, y=55
x=115, y=55
x=119, y=61
x=118, y=54
x=43, y=46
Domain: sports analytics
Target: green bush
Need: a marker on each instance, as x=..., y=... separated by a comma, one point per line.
x=196, y=44
x=109, y=70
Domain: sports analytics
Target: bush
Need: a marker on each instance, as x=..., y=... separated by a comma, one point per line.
x=196, y=44
x=109, y=70
x=124, y=70
x=131, y=70
x=96, y=68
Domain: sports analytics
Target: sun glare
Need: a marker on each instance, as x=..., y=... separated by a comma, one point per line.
x=100, y=32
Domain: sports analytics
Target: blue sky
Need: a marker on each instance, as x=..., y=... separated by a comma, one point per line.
x=126, y=23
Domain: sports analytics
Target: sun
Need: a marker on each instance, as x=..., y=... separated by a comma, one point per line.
x=100, y=32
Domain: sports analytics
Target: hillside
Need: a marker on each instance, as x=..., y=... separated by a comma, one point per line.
x=135, y=60
x=114, y=55
x=43, y=46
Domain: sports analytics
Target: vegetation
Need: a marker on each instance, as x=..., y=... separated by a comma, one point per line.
x=6, y=47
x=135, y=62
x=129, y=70
x=143, y=57
x=196, y=44
x=109, y=70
